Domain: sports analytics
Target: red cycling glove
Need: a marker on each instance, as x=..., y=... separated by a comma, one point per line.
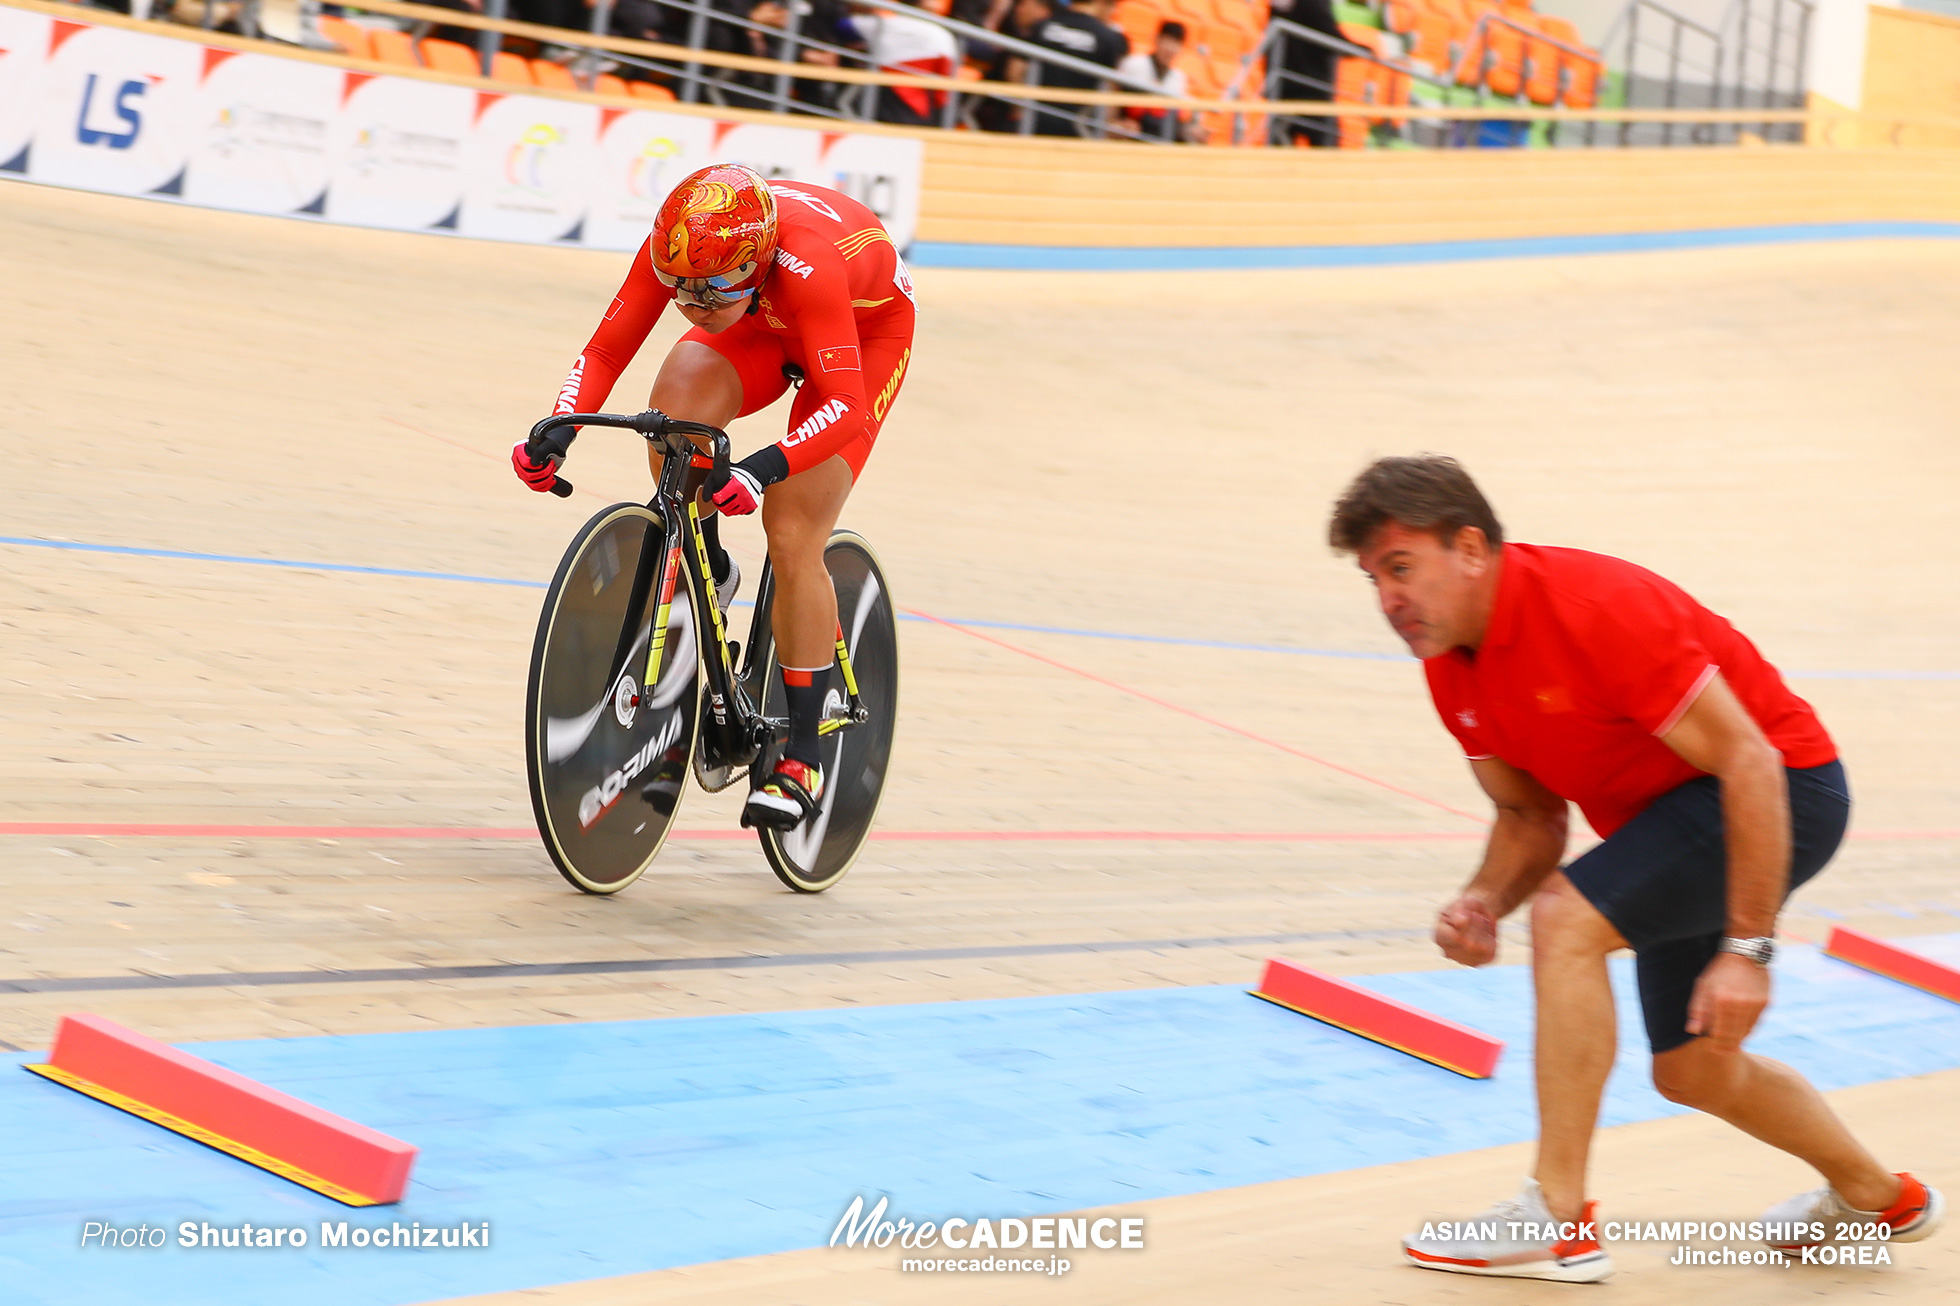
x=540, y=476
x=741, y=493
x=740, y=496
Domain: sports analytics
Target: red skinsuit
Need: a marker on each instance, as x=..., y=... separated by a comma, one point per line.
x=838, y=304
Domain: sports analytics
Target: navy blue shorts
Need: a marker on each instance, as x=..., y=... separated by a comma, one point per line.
x=1662, y=879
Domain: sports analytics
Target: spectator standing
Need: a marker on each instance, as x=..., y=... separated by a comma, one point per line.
x=769, y=39
x=768, y=44
x=905, y=43
x=1071, y=32
x=1159, y=69
x=1310, y=66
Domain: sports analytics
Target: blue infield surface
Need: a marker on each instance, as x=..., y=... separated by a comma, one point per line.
x=601, y=1149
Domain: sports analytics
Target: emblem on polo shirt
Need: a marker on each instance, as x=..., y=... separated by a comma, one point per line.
x=1555, y=699
x=1468, y=718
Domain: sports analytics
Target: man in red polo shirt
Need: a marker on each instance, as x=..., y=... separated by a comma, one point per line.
x=1572, y=677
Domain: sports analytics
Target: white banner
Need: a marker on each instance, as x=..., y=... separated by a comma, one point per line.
x=23, y=47
x=132, y=113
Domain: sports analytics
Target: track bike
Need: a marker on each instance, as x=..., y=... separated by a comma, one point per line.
x=634, y=681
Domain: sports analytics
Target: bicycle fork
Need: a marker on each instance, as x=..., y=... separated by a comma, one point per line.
x=721, y=673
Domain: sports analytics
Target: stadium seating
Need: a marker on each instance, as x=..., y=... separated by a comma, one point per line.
x=1434, y=40
x=512, y=68
x=352, y=38
x=1578, y=74
x=553, y=76
x=390, y=46
x=1500, y=48
x=449, y=57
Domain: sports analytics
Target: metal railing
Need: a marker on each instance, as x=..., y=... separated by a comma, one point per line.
x=1422, y=84
x=1770, y=52
x=694, y=83
x=1754, y=57
x=1402, y=100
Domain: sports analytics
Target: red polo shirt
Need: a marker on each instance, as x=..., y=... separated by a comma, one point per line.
x=1587, y=661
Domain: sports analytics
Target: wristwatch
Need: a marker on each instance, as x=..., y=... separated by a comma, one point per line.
x=1758, y=950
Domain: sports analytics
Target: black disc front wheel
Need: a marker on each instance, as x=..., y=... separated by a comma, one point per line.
x=855, y=761
x=610, y=726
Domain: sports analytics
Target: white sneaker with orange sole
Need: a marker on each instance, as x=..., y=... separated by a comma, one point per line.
x=1915, y=1215
x=1516, y=1239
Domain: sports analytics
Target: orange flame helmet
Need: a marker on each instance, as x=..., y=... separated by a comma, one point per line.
x=715, y=235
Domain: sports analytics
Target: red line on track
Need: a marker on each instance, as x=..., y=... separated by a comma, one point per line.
x=1198, y=716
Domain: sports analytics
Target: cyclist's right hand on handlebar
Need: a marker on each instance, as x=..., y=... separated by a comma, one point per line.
x=540, y=474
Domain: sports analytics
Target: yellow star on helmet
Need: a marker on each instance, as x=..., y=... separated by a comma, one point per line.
x=725, y=232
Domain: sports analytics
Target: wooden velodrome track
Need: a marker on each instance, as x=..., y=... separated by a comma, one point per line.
x=1146, y=454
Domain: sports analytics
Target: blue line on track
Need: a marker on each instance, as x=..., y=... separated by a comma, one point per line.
x=610, y=1148
x=1291, y=650
x=266, y=562
x=1103, y=258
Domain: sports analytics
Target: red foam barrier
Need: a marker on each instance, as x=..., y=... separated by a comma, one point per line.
x=346, y=1161
x=1880, y=957
x=1394, y=1024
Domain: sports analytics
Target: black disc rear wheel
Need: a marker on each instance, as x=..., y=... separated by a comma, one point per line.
x=607, y=741
x=815, y=855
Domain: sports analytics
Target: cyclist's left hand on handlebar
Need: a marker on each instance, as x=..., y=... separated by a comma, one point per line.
x=740, y=492
x=739, y=495
x=541, y=474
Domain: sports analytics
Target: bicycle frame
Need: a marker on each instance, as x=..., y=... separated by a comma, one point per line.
x=734, y=729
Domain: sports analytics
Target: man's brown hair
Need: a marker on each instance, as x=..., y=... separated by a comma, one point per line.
x=1429, y=492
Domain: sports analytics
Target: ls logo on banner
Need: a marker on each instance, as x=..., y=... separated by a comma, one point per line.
x=129, y=113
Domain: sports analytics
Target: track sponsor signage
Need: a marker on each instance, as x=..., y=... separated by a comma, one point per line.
x=135, y=113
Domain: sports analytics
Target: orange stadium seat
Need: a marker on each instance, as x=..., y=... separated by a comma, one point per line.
x=1401, y=16
x=1578, y=73
x=1139, y=23
x=1231, y=43
x=1196, y=15
x=650, y=91
x=512, y=68
x=449, y=57
x=1504, y=58
x=609, y=84
x=1541, y=68
x=1579, y=82
x=1223, y=72
x=553, y=76
x=1356, y=82
x=1434, y=41
x=352, y=38
x=1470, y=40
x=1384, y=85
x=390, y=46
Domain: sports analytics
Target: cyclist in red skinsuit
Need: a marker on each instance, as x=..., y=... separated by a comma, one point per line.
x=828, y=297
x=838, y=305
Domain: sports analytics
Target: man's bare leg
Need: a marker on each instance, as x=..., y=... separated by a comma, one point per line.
x=1577, y=1036
x=1767, y=1100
